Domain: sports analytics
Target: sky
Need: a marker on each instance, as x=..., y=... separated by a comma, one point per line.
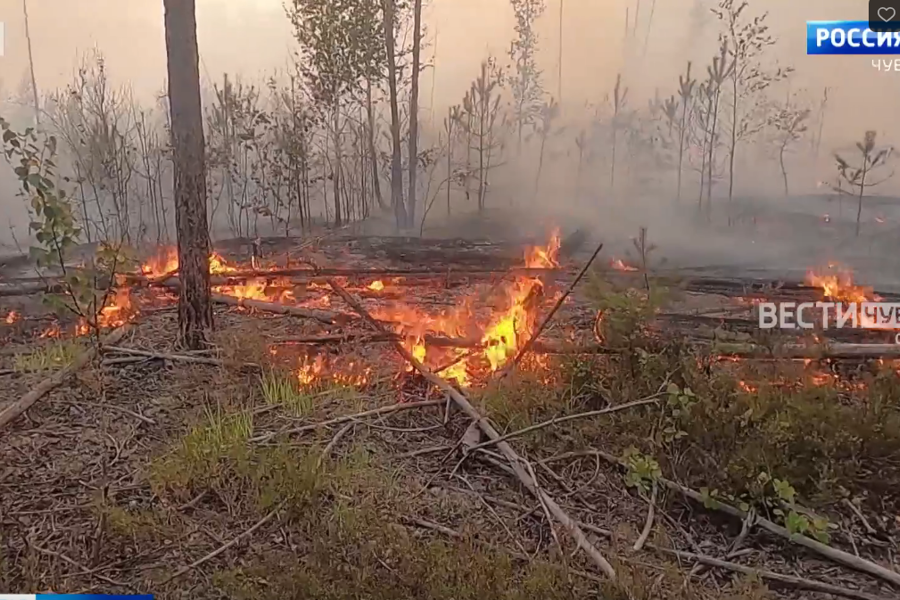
x=252, y=37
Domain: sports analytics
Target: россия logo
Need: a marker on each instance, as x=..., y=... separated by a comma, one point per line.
x=849, y=37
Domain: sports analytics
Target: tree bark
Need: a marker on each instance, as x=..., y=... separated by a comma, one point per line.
x=195, y=317
x=396, y=167
x=414, y=112
x=376, y=180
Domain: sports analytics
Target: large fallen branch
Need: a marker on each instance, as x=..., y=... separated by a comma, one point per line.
x=836, y=350
x=323, y=316
x=834, y=554
x=17, y=408
x=515, y=462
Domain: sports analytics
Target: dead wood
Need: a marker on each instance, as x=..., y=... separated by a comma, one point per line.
x=383, y=410
x=323, y=316
x=203, y=360
x=537, y=332
x=18, y=407
x=836, y=350
x=839, y=556
x=790, y=580
x=515, y=461
x=648, y=524
x=556, y=421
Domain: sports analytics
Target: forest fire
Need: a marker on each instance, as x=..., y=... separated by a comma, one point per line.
x=618, y=265
x=165, y=262
x=12, y=317
x=838, y=286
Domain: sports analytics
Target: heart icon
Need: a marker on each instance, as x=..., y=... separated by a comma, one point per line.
x=887, y=13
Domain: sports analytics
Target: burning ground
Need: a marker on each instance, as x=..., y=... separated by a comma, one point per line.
x=303, y=455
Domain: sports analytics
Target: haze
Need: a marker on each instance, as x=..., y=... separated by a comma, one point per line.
x=253, y=38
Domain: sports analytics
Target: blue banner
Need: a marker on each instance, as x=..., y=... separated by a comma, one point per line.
x=849, y=37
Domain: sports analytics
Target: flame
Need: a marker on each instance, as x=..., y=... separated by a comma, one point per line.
x=376, y=286
x=839, y=286
x=12, y=317
x=539, y=257
x=118, y=309
x=618, y=265
x=165, y=262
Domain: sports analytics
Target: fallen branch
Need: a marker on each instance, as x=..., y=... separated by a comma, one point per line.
x=515, y=461
x=557, y=420
x=203, y=360
x=383, y=410
x=225, y=547
x=507, y=369
x=836, y=350
x=18, y=407
x=798, y=582
x=651, y=515
x=323, y=316
x=839, y=556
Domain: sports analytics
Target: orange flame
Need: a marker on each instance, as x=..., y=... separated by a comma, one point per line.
x=376, y=286
x=618, y=265
x=12, y=317
x=839, y=286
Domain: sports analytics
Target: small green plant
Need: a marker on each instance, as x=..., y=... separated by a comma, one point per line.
x=84, y=292
x=643, y=470
x=280, y=388
x=678, y=406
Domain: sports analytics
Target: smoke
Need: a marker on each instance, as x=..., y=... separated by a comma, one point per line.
x=252, y=39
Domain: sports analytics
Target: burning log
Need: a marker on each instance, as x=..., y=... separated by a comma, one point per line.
x=846, y=351
x=323, y=316
x=17, y=408
x=515, y=461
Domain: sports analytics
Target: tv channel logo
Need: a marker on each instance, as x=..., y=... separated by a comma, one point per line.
x=849, y=38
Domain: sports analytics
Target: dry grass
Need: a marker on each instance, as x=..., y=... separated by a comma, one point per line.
x=362, y=512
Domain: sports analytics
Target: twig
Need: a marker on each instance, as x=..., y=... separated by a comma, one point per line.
x=203, y=360
x=18, y=407
x=871, y=530
x=514, y=460
x=75, y=563
x=323, y=316
x=537, y=332
x=799, y=582
x=326, y=452
x=834, y=554
x=225, y=547
x=337, y=420
x=558, y=420
x=651, y=515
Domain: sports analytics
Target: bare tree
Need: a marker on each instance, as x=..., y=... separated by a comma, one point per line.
x=195, y=316
x=858, y=176
x=414, y=112
x=789, y=123
x=34, y=88
x=747, y=41
x=389, y=21
x=619, y=99
x=686, y=85
x=525, y=80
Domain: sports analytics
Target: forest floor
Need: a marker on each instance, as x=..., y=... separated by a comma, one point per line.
x=286, y=462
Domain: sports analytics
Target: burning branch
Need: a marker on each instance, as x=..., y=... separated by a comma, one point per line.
x=515, y=461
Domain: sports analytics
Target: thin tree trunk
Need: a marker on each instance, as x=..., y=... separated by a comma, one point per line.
x=34, y=88
x=784, y=176
x=414, y=112
x=396, y=158
x=559, y=58
x=862, y=190
x=376, y=180
x=336, y=171
x=195, y=318
x=681, y=149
